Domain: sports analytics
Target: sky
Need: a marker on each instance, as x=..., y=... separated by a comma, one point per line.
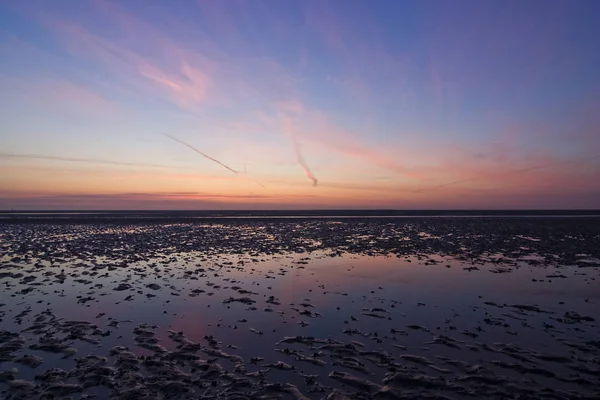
x=313, y=104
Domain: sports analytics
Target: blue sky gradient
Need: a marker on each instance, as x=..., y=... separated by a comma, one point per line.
x=388, y=103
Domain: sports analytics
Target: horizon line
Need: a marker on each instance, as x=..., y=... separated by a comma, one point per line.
x=304, y=210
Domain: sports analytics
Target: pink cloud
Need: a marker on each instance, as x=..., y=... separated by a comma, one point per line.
x=192, y=79
x=188, y=90
x=177, y=75
x=186, y=66
x=509, y=173
x=315, y=127
x=502, y=167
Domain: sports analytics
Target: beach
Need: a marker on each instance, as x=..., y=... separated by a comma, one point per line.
x=424, y=307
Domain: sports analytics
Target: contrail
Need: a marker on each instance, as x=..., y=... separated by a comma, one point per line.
x=253, y=180
x=299, y=156
x=198, y=151
x=212, y=159
x=258, y=183
x=289, y=129
x=97, y=161
x=302, y=162
x=508, y=172
x=85, y=160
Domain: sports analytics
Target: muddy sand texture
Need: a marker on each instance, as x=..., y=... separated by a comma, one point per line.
x=428, y=308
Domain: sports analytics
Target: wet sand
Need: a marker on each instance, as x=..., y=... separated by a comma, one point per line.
x=427, y=308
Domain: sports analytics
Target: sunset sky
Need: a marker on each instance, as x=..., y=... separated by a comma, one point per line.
x=386, y=104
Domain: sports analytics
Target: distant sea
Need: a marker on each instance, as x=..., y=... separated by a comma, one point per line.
x=177, y=215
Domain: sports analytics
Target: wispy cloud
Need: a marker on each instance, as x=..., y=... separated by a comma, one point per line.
x=188, y=90
x=140, y=200
x=86, y=161
x=516, y=173
x=179, y=79
x=314, y=126
x=327, y=96
x=189, y=79
x=142, y=195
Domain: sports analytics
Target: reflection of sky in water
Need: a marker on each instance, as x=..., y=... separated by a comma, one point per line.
x=413, y=291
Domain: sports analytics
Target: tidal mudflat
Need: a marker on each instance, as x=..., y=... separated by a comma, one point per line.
x=398, y=308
